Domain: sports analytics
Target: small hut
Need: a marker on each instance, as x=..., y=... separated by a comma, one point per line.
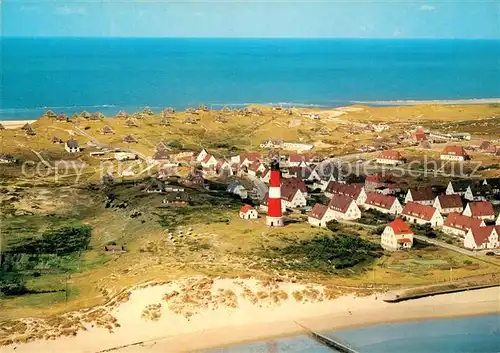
x=190, y=110
x=131, y=122
x=190, y=120
x=85, y=114
x=122, y=114
x=2, y=127
x=62, y=118
x=96, y=116
x=221, y=119
x=107, y=130
x=50, y=114
x=203, y=108
x=147, y=110
x=164, y=122
x=323, y=131
x=129, y=139
x=56, y=139
x=26, y=126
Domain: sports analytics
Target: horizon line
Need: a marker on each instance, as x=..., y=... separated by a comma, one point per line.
x=250, y=37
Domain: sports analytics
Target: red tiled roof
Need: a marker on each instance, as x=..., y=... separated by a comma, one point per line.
x=391, y=155
x=318, y=211
x=380, y=200
x=400, y=227
x=288, y=193
x=454, y=151
x=340, y=203
x=423, y=194
x=481, y=208
x=303, y=172
x=220, y=163
x=418, y=210
x=450, y=201
x=251, y=156
x=350, y=190
x=481, y=234
x=246, y=208
x=420, y=135
x=458, y=221
x=207, y=158
x=255, y=166
x=294, y=182
x=299, y=158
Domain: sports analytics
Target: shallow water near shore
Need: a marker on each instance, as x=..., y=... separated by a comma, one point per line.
x=69, y=75
x=476, y=334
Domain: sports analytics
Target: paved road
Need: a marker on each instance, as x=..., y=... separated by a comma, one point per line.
x=259, y=184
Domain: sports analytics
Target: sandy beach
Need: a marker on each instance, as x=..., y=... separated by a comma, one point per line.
x=15, y=124
x=199, y=313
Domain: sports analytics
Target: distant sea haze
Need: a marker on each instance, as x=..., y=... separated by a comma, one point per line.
x=69, y=75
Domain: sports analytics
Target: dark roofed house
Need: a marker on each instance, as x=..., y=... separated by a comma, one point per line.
x=129, y=139
x=147, y=110
x=424, y=196
x=165, y=122
x=72, y=146
x=96, y=116
x=354, y=191
x=85, y=114
x=62, y=118
x=50, y=114
x=449, y=204
x=344, y=207
x=176, y=199
x=458, y=187
x=115, y=248
x=320, y=215
x=162, y=156
x=190, y=120
x=383, y=203
x=155, y=186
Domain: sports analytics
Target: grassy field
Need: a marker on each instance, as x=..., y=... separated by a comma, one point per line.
x=220, y=243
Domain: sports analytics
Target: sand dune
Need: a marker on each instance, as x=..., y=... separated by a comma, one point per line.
x=198, y=313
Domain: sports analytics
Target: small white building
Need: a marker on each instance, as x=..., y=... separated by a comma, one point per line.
x=480, y=209
x=397, y=236
x=482, y=238
x=320, y=215
x=390, y=157
x=446, y=204
x=422, y=214
x=458, y=225
x=248, y=212
x=344, y=208
x=72, y=146
x=383, y=203
x=454, y=153
x=459, y=187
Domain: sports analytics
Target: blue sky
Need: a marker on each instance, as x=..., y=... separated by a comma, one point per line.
x=231, y=18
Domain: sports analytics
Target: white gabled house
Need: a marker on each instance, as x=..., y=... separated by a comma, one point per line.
x=354, y=191
x=446, y=204
x=397, y=236
x=383, y=203
x=460, y=187
x=72, y=146
x=201, y=156
x=344, y=208
x=255, y=168
x=458, y=225
x=266, y=176
x=292, y=197
x=424, y=196
x=422, y=214
x=248, y=212
x=480, y=209
x=209, y=161
x=320, y=215
x=482, y=238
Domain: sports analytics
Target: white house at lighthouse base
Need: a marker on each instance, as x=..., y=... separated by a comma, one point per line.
x=274, y=221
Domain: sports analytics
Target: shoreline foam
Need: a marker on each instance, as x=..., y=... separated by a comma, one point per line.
x=220, y=324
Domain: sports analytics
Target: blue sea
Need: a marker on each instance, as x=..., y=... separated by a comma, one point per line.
x=72, y=74
x=480, y=334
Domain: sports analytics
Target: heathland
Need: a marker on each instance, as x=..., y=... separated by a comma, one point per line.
x=58, y=217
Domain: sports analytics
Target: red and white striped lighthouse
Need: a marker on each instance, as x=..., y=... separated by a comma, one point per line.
x=274, y=217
